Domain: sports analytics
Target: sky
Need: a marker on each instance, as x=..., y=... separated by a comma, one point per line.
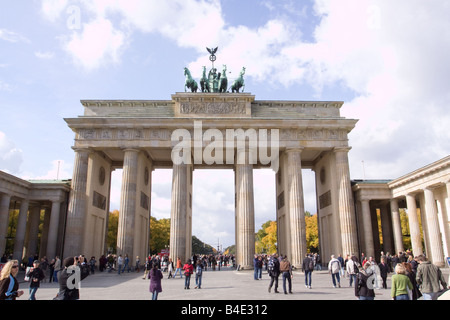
x=388, y=61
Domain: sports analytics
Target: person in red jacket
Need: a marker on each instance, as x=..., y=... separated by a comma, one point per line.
x=188, y=269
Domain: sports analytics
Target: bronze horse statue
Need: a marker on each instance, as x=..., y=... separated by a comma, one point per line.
x=239, y=82
x=190, y=82
x=223, y=86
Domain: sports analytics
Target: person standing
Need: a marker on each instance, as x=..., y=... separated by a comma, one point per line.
x=9, y=286
x=400, y=284
x=71, y=292
x=57, y=268
x=308, y=267
x=188, y=270
x=36, y=275
x=429, y=277
x=198, y=274
x=286, y=271
x=255, y=267
x=334, y=267
x=119, y=263
x=363, y=284
x=170, y=268
x=384, y=269
x=273, y=267
x=155, y=275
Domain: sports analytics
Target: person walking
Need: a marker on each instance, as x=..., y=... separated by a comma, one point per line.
x=36, y=275
x=126, y=264
x=273, y=268
x=400, y=284
x=286, y=271
x=188, y=270
x=155, y=275
x=9, y=286
x=429, y=277
x=352, y=270
x=334, y=267
x=198, y=274
x=308, y=267
x=363, y=284
x=179, y=266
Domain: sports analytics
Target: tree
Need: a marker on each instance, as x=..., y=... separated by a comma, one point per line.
x=113, y=227
x=266, y=238
x=312, y=233
x=159, y=234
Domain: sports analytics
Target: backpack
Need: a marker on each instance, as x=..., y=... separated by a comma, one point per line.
x=270, y=265
x=311, y=264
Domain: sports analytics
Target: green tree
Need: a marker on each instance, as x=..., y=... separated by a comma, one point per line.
x=113, y=226
x=159, y=234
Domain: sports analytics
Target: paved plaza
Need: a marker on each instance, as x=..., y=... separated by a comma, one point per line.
x=226, y=284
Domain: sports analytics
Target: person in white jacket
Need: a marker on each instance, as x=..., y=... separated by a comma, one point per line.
x=352, y=269
x=334, y=266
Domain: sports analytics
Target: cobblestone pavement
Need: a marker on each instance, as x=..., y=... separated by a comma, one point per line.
x=226, y=284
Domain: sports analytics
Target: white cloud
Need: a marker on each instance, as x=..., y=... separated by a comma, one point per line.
x=11, y=157
x=52, y=9
x=12, y=36
x=98, y=44
x=44, y=55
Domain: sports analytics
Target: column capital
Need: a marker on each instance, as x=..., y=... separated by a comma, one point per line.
x=131, y=150
x=291, y=150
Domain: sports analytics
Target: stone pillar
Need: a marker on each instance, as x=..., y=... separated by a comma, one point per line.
x=76, y=213
x=386, y=228
x=34, y=220
x=437, y=251
x=346, y=206
x=396, y=227
x=369, y=250
x=295, y=207
x=20, y=231
x=53, y=230
x=414, y=229
x=127, y=215
x=245, y=212
x=4, y=219
x=179, y=212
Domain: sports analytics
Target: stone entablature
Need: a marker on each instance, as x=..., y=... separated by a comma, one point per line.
x=213, y=105
x=432, y=175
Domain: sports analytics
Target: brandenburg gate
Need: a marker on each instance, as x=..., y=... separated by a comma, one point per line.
x=195, y=130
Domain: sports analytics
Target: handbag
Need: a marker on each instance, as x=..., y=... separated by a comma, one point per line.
x=27, y=278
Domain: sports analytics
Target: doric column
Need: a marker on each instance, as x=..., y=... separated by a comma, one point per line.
x=414, y=229
x=179, y=211
x=4, y=219
x=386, y=228
x=35, y=216
x=20, y=231
x=295, y=206
x=76, y=213
x=127, y=215
x=368, y=231
x=346, y=205
x=396, y=227
x=53, y=230
x=245, y=212
x=437, y=251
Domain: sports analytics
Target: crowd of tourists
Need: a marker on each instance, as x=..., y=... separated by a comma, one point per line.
x=412, y=277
